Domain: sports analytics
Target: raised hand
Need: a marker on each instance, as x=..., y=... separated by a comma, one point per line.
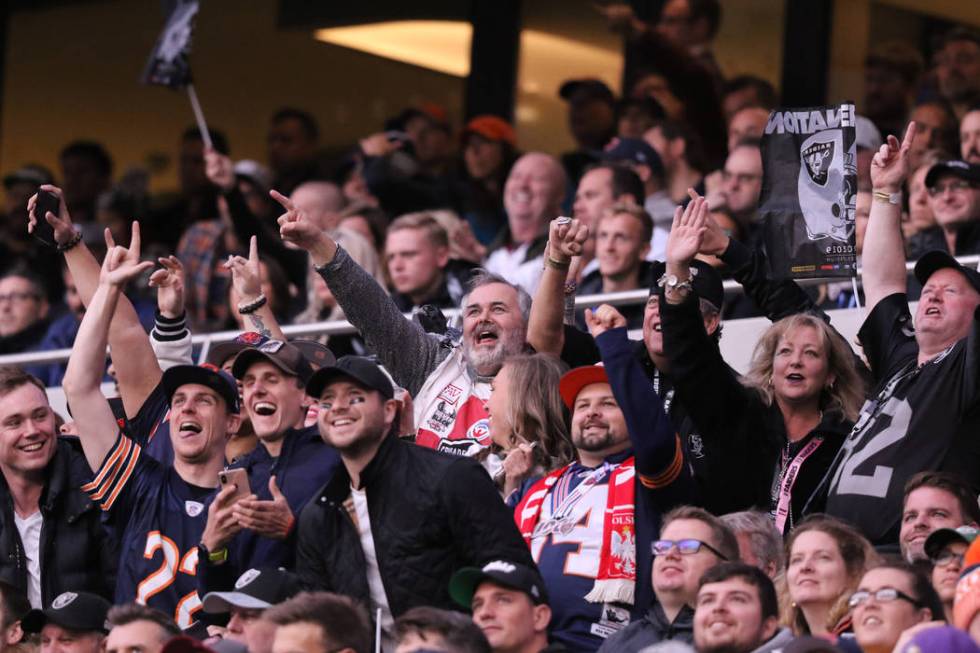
x=219, y=169
x=64, y=230
x=379, y=144
x=602, y=319
x=620, y=18
x=246, y=275
x=687, y=232
x=715, y=240
x=566, y=239
x=296, y=227
x=122, y=264
x=890, y=165
x=169, y=282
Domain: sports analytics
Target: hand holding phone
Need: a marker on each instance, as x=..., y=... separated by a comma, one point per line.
x=46, y=202
x=237, y=477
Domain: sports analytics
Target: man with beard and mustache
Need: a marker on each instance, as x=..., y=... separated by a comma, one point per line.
x=396, y=520
x=589, y=524
x=970, y=136
x=449, y=381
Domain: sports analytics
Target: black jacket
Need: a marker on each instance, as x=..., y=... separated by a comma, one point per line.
x=652, y=629
x=431, y=514
x=77, y=554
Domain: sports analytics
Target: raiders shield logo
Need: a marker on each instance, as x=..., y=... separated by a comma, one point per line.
x=63, y=599
x=817, y=159
x=246, y=578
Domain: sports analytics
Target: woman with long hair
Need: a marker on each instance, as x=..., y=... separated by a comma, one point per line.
x=528, y=420
x=825, y=559
x=781, y=426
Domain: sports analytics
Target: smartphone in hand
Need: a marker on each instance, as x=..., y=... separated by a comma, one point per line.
x=46, y=202
x=237, y=477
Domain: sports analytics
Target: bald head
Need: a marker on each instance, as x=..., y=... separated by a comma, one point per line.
x=321, y=200
x=533, y=194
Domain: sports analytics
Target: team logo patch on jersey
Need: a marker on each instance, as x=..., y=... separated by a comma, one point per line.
x=451, y=394
x=63, y=600
x=193, y=508
x=246, y=578
x=480, y=431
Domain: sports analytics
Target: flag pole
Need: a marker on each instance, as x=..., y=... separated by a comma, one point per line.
x=199, y=116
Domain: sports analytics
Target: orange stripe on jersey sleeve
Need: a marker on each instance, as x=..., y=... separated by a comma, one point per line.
x=110, y=468
x=120, y=485
x=670, y=474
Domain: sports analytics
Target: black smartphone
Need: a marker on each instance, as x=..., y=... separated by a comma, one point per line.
x=45, y=202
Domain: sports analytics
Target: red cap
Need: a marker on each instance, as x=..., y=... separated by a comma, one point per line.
x=491, y=128
x=573, y=381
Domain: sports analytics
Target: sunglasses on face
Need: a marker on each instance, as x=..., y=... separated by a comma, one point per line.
x=684, y=547
x=884, y=595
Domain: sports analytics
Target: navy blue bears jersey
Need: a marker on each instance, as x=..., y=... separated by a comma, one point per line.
x=159, y=519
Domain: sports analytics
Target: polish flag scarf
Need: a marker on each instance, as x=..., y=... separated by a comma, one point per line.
x=616, y=580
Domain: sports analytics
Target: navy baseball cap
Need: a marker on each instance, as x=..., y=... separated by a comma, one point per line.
x=221, y=352
x=705, y=279
x=580, y=90
x=635, y=151
x=78, y=611
x=465, y=582
x=932, y=262
x=256, y=589
x=283, y=355
x=961, y=169
x=206, y=375
x=363, y=370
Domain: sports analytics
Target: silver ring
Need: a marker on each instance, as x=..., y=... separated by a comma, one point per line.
x=563, y=220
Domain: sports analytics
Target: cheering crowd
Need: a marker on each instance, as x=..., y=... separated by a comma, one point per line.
x=524, y=478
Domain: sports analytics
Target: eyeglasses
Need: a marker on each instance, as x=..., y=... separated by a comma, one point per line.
x=958, y=186
x=947, y=557
x=884, y=595
x=685, y=547
x=18, y=297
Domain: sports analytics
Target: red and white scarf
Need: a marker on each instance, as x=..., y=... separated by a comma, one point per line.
x=616, y=580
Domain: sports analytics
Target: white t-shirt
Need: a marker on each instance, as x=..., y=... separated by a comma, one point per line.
x=30, y=535
x=375, y=586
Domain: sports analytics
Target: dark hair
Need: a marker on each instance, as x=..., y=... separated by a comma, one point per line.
x=458, y=631
x=304, y=118
x=376, y=218
x=92, y=151
x=24, y=272
x=898, y=57
x=13, y=377
x=922, y=589
x=765, y=92
x=15, y=603
x=964, y=492
x=623, y=181
x=693, y=149
x=121, y=615
x=344, y=622
x=218, y=138
x=725, y=540
x=960, y=33
x=709, y=10
x=751, y=575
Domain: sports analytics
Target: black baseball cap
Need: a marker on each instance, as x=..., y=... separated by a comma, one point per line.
x=78, y=611
x=361, y=369
x=580, y=90
x=33, y=174
x=206, y=375
x=465, y=582
x=961, y=169
x=283, y=355
x=936, y=260
x=256, y=589
x=705, y=279
x=221, y=352
x=940, y=538
x=315, y=352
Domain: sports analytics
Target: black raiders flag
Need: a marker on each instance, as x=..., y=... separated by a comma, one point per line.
x=808, y=191
x=169, y=63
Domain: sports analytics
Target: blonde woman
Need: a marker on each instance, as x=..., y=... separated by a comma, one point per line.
x=825, y=560
x=528, y=424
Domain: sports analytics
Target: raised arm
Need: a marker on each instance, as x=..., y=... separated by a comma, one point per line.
x=170, y=338
x=883, y=258
x=96, y=424
x=138, y=372
x=247, y=280
x=545, y=331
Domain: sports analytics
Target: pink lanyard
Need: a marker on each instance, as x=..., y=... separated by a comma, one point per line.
x=788, y=478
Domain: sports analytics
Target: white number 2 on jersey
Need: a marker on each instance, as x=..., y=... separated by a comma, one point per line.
x=875, y=485
x=162, y=578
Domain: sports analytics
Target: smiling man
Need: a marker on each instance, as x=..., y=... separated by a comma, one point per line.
x=34, y=463
x=934, y=500
x=922, y=414
x=158, y=510
x=737, y=612
x=397, y=520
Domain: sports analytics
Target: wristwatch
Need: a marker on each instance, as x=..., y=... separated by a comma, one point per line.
x=671, y=282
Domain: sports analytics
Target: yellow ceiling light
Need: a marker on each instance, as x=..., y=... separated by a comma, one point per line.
x=440, y=45
x=444, y=46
